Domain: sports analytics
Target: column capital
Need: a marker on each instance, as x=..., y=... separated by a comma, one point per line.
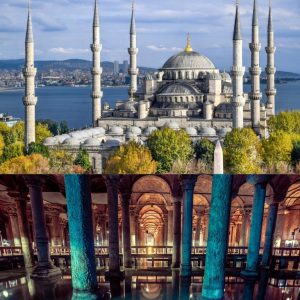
x=259, y=179
x=189, y=181
x=33, y=181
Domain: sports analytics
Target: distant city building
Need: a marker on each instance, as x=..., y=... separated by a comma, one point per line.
x=10, y=121
x=125, y=66
x=116, y=67
x=187, y=93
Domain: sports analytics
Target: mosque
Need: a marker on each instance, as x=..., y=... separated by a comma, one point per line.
x=150, y=236
x=187, y=93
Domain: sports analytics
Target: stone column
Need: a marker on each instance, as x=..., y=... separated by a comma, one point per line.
x=176, y=232
x=219, y=218
x=15, y=229
x=187, y=224
x=170, y=227
x=79, y=204
x=112, y=184
x=260, y=183
x=21, y=205
x=126, y=230
x=269, y=234
x=132, y=226
x=198, y=230
x=165, y=231
x=45, y=267
x=245, y=225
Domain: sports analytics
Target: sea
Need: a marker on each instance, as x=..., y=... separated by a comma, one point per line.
x=73, y=104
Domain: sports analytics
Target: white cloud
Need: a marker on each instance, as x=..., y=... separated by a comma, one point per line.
x=161, y=48
x=61, y=50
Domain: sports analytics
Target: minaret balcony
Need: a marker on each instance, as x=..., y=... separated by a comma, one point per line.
x=270, y=50
x=96, y=47
x=271, y=92
x=29, y=100
x=270, y=70
x=29, y=72
x=133, y=51
x=255, y=70
x=97, y=95
x=255, y=96
x=237, y=71
x=133, y=71
x=96, y=71
x=255, y=46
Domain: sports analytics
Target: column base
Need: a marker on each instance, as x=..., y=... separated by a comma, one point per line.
x=185, y=271
x=45, y=273
x=249, y=274
x=213, y=294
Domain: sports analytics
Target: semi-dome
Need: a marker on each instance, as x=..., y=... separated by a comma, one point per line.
x=129, y=106
x=226, y=77
x=191, y=131
x=189, y=60
x=225, y=107
x=179, y=89
x=50, y=141
x=91, y=142
x=112, y=143
x=207, y=131
x=116, y=130
x=149, y=130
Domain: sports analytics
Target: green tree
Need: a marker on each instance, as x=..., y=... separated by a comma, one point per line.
x=204, y=150
x=278, y=148
x=38, y=148
x=295, y=155
x=41, y=133
x=82, y=159
x=13, y=150
x=131, y=158
x=242, y=152
x=167, y=146
x=288, y=121
x=2, y=145
x=4, y=129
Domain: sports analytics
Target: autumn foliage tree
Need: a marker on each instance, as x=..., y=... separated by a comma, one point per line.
x=131, y=158
x=242, y=152
x=167, y=146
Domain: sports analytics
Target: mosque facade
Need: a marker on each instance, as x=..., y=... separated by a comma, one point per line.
x=189, y=92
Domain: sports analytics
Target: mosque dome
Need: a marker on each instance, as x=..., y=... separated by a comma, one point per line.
x=50, y=141
x=98, y=131
x=191, y=131
x=71, y=141
x=226, y=77
x=223, y=131
x=172, y=125
x=61, y=138
x=131, y=136
x=207, y=131
x=112, y=143
x=149, y=130
x=134, y=130
x=91, y=142
x=225, y=107
x=116, y=130
x=130, y=106
x=179, y=89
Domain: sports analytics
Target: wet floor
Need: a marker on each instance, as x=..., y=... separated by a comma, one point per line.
x=148, y=287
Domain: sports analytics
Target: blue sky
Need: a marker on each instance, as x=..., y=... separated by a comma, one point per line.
x=62, y=29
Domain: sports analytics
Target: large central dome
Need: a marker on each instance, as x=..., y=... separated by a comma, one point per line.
x=188, y=60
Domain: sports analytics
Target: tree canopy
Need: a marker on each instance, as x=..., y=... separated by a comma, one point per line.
x=204, y=150
x=288, y=121
x=242, y=152
x=131, y=158
x=167, y=146
x=82, y=159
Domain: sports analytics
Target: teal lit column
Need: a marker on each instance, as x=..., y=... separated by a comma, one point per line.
x=219, y=218
x=79, y=206
x=126, y=230
x=44, y=268
x=112, y=185
x=188, y=182
x=269, y=236
x=176, y=232
x=260, y=184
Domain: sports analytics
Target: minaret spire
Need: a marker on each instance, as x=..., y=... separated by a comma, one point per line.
x=133, y=51
x=255, y=71
x=270, y=69
x=96, y=69
x=237, y=73
x=29, y=72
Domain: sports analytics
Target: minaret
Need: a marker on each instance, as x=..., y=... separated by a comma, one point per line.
x=96, y=69
x=133, y=50
x=237, y=73
x=255, y=71
x=29, y=72
x=270, y=69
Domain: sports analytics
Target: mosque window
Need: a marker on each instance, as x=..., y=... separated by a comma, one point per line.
x=181, y=99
